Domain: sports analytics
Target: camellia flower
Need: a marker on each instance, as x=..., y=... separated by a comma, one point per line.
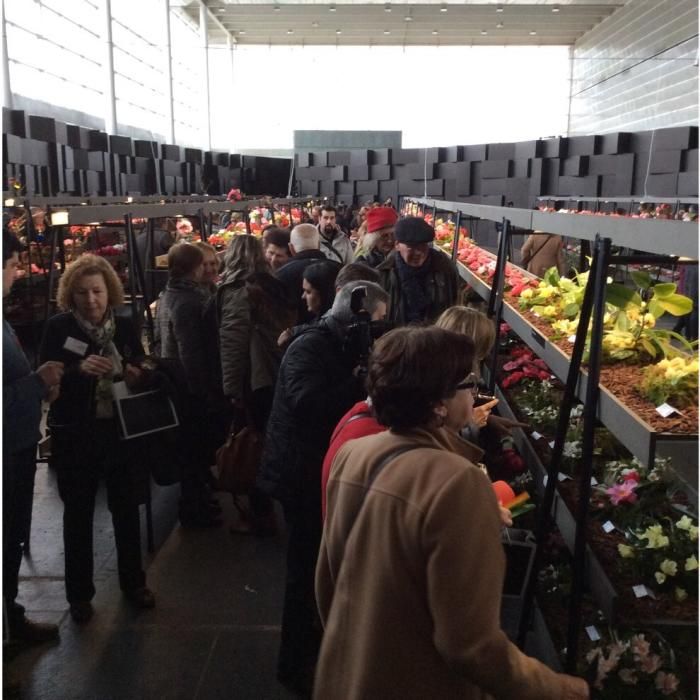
x=684, y=523
x=650, y=664
x=626, y=552
x=680, y=594
x=622, y=493
x=640, y=646
x=630, y=475
x=667, y=683
x=628, y=676
x=656, y=538
x=691, y=563
x=669, y=567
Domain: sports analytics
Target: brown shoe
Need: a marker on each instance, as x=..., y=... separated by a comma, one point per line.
x=29, y=632
x=141, y=598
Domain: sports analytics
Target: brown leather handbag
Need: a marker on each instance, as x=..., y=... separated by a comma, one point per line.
x=237, y=460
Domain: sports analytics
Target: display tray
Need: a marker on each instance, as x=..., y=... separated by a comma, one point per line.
x=645, y=435
x=616, y=600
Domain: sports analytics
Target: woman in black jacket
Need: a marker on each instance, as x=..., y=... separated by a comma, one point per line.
x=184, y=337
x=97, y=349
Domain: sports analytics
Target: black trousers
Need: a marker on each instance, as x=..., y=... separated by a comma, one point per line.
x=18, y=470
x=301, y=625
x=79, y=468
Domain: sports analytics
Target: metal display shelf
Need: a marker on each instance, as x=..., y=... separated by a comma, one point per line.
x=91, y=214
x=646, y=199
x=677, y=238
x=598, y=581
x=641, y=439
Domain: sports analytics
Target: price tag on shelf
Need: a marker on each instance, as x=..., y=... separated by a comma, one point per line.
x=608, y=526
x=666, y=410
x=572, y=340
x=641, y=591
x=592, y=633
x=535, y=435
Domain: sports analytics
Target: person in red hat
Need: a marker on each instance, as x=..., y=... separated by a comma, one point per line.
x=378, y=242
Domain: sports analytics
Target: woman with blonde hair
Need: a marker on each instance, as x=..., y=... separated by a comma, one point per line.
x=480, y=328
x=253, y=311
x=98, y=349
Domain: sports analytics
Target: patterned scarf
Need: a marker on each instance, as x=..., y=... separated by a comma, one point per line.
x=102, y=336
x=414, y=284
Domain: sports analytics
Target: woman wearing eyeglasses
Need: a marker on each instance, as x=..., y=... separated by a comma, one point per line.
x=411, y=567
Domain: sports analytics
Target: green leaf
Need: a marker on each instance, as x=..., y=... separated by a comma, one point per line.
x=655, y=308
x=620, y=296
x=566, y=284
x=641, y=278
x=621, y=354
x=551, y=277
x=649, y=347
x=622, y=323
x=571, y=310
x=676, y=304
x=664, y=289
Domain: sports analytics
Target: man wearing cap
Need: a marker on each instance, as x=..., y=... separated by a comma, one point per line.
x=378, y=242
x=422, y=282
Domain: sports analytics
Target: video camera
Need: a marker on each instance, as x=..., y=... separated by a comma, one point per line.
x=362, y=331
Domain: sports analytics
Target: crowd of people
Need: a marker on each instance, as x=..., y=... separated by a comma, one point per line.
x=343, y=343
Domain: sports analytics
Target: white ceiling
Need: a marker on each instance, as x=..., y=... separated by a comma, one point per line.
x=433, y=22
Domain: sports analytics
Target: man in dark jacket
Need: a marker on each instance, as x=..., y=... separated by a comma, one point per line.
x=305, y=246
x=421, y=282
x=317, y=383
x=22, y=393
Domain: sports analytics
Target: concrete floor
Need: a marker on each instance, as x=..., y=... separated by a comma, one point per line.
x=213, y=634
x=215, y=630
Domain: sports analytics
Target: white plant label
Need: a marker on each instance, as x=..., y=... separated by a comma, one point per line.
x=608, y=526
x=562, y=477
x=572, y=340
x=594, y=481
x=592, y=633
x=641, y=591
x=551, y=445
x=666, y=410
x=535, y=435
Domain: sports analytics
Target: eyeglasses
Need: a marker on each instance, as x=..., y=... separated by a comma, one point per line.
x=471, y=383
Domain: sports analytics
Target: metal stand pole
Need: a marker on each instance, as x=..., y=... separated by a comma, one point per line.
x=602, y=254
x=495, y=306
x=544, y=514
x=455, y=242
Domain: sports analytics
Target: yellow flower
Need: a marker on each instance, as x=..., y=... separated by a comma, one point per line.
x=685, y=523
x=656, y=540
x=549, y=311
x=691, y=563
x=669, y=567
x=693, y=533
x=649, y=320
x=633, y=313
x=526, y=293
x=680, y=594
x=626, y=552
x=660, y=578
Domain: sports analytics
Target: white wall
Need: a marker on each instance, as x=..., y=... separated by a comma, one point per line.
x=636, y=69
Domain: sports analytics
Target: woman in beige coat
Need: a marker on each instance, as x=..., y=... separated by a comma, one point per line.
x=542, y=251
x=411, y=566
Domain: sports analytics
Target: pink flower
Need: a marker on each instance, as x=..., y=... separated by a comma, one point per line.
x=667, y=683
x=640, y=647
x=650, y=664
x=628, y=676
x=622, y=493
